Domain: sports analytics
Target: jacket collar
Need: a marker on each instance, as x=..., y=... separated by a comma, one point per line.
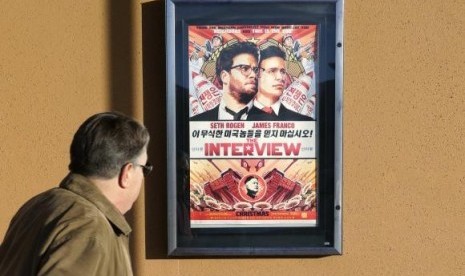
x=82, y=186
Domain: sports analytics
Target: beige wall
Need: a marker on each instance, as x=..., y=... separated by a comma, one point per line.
x=404, y=107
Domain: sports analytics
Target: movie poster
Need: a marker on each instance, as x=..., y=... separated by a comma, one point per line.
x=252, y=102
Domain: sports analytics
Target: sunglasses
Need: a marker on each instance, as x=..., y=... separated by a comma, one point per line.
x=246, y=70
x=146, y=169
x=274, y=71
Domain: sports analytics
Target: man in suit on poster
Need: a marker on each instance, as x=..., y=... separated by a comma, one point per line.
x=271, y=79
x=236, y=71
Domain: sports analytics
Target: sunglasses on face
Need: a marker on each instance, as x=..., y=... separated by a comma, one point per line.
x=274, y=71
x=245, y=69
x=146, y=169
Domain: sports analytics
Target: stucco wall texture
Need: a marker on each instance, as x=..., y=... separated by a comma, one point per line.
x=404, y=107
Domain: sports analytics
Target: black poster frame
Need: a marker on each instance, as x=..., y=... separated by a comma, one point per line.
x=326, y=237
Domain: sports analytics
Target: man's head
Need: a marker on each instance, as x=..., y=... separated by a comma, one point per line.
x=105, y=143
x=252, y=186
x=236, y=69
x=217, y=41
x=272, y=74
x=288, y=41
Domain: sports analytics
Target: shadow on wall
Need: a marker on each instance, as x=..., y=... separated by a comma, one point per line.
x=121, y=52
x=120, y=56
x=154, y=86
x=121, y=63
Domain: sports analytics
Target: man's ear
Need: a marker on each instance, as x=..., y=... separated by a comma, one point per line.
x=224, y=77
x=125, y=174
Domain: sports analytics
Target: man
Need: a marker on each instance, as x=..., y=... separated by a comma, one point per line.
x=252, y=186
x=271, y=80
x=236, y=71
x=78, y=228
x=290, y=45
x=204, y=53
x=213, y=45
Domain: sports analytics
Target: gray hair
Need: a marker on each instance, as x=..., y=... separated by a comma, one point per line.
x=105, y=142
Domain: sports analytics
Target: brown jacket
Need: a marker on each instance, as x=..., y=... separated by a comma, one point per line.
x=70, y=230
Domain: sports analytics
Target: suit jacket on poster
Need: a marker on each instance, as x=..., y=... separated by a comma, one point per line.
x=256, y=114
x=209, y=115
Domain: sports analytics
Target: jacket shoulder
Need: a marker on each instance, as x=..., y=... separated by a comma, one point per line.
x=290, y=115
x=209, y=115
